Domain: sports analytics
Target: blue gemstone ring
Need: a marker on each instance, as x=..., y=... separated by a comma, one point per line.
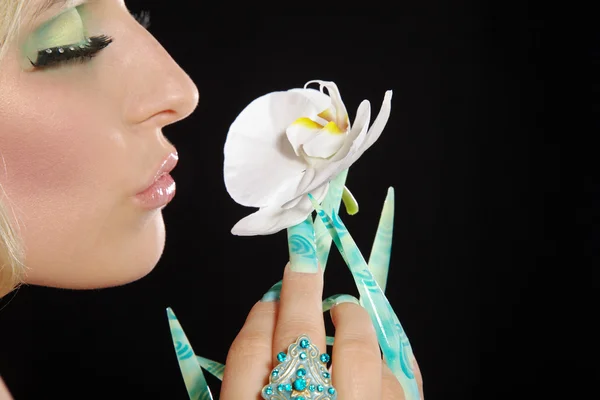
x=301, y=374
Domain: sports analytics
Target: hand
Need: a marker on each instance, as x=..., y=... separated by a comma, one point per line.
x=357, y=370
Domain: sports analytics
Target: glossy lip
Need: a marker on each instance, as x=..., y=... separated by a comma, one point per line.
x=167, y=165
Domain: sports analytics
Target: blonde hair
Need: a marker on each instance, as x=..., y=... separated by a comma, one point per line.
x=11, y=250
x=11, y=16
x=11, y=254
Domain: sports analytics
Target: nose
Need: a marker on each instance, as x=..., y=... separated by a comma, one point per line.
x=159, y=90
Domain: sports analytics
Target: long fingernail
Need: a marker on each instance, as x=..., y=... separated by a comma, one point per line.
x=302, y=247
x=331, y=202
x=216, y=369
x=191, y=371
x=330, y=340
x=379, y=260
x=337, y=299
x=273, y=294
x=392, y=338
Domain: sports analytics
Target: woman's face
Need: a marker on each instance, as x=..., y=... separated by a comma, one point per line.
x=80, y=141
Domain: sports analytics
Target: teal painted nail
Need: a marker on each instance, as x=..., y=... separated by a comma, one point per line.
x=330, y=340
x=302, y=247
x=328, y=225
x=216, y=369
x=331, y=202
x=273, y=293
x=190, y=369
x=393, y=341
x=336, y=299
x=379, y=260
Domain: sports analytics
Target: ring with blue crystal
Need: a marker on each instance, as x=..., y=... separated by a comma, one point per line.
x=301, y=374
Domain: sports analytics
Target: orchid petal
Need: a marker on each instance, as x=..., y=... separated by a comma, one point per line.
x=272, y=219
x=343, y=158
x=307, y=178
x=287, y=144
x=359, y=130
x=361, y=140
x=328, y=115
x=341, y=115
x=351, y=151
x=301, y=131
x=321, y=101
x=326, y=142
x=379, y=123
x=260, y=165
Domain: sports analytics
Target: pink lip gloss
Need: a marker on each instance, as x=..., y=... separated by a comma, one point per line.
x=159, y=194
x=161, y=190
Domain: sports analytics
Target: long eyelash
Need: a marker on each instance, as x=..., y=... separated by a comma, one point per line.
x=75, y=52
x=82, y=52
x=143, y=18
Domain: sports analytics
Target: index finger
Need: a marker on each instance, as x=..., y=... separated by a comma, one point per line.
x=249, y=360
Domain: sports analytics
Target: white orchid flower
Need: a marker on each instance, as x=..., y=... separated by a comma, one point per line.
x=287, y=144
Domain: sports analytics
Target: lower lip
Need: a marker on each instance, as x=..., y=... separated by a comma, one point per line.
x=159, y=194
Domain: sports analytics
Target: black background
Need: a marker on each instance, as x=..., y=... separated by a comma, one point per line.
x=475, y=181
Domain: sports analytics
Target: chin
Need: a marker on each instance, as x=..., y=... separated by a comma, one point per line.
x=118, y=262
x=129, y=273
x=136, y=260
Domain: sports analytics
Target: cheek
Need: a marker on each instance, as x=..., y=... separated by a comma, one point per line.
x=72, y=157
x=59, y=151
x=67, y=170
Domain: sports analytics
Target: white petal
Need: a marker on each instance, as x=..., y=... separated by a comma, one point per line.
x=308, y=177
x=329, y=169
x=301, y=131
x=357, y=134
x=364, y=141
x=326, y=142
x=338, y=108
x=319, y=99
x=269, y=220
x=352, y=141
x=353, y=149
x=260, y=164
x=307, y=127
x=380, y=122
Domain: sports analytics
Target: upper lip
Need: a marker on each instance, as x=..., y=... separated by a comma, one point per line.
x=166, y=165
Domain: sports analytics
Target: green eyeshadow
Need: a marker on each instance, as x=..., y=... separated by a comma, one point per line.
x=64, y=29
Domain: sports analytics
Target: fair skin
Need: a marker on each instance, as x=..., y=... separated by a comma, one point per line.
x=79, y=142
x=4, y=394
x=357, y=370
